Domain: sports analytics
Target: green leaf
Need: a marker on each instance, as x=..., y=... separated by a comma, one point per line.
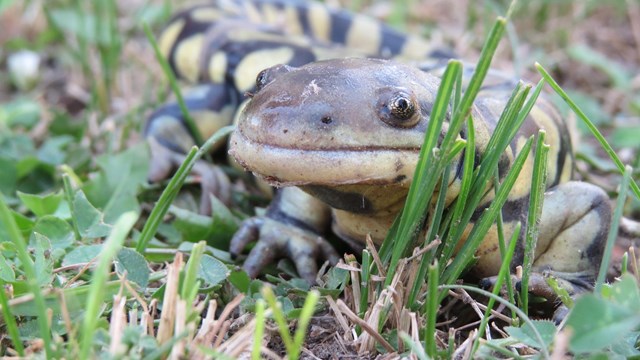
x=27, y=165
x=9, y=178
x=41, y=205
x=192, y=226
x=626, y=136
x=240, y=280
x=89, y=219
x=135, y=265
x=58, y=231
x=619, y=76
x=81, y=255
x=20, y=112
x=525, y=334
x=16, y=146
x=43, y=263
x=597, y=323
x=212, y=270
x=25, y=225
x=116, y=187
x=224, y=224
x=6, y=270
x=52, y=152
x=82, y=25
x=625, y=292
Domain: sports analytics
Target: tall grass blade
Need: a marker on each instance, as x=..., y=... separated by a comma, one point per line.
x=476, y=236
x=10, y=321
x=170, y=192
x=425, y=177
x=502, y=273
x=431, y=310
x=594, y=130
x=193, y=128
x=100, y=276
x=613, y=231
x=536, y=199
x=8, y=222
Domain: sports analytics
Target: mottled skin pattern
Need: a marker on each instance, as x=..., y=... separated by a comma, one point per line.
x=221, y=46
x=330, y=129
x=327, y=133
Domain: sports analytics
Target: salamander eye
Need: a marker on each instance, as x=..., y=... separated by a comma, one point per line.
x=261, y=79
x=401, y=107
x=398, y=108
x=266, y=76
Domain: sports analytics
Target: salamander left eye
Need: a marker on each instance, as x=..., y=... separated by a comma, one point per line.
x=261, y=79
x=399, y=109
x=268, y=75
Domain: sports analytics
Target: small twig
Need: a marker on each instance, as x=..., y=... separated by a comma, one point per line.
x=341, y=320
x=419, y=253
x=217, y=329
x=84, y=269
x=363, y=324
x=376, y=257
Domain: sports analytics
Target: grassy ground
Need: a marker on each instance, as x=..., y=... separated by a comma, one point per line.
x=76, y=204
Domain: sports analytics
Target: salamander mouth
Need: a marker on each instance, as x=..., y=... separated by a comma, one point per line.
x=282, y=166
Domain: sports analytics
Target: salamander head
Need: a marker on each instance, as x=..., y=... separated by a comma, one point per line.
x=344, y=121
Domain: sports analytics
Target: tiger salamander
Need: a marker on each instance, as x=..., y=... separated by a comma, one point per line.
x=341, y=137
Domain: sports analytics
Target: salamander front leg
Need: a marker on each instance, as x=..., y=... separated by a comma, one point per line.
x=292, y=228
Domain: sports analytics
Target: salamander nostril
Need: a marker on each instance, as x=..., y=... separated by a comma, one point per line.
x=326, y=120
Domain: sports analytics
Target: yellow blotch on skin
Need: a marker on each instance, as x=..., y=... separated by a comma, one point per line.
x=415, y=48
x=255, y=62
x=206, y=15
x=208, y=122
x=293, y=21
x=320, y=21
x=271, y=14
x=217, y=67
x=187, y=57
x=169, y=36
x=364, y=34
x=522, y=187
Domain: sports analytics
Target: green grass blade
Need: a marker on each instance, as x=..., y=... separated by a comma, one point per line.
x=278, y=316
x=508, y=305
x=479, y=74
x=190, y=281
x=365, y=276
x=100, y=276
x=431, y=311
x=10, y=321
x=415, y=348
x=166, y=69
x=257, y=335
x=170, y=192
x=502, y=273
x=434, y=226
x=69, y=196
x=424, y=182
x=502, y=245
x=613, y=231
x=9, y=223
x=536, y=199
x=476, y=236
x=303, y=321
x=461, y=202
x=594, y=130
